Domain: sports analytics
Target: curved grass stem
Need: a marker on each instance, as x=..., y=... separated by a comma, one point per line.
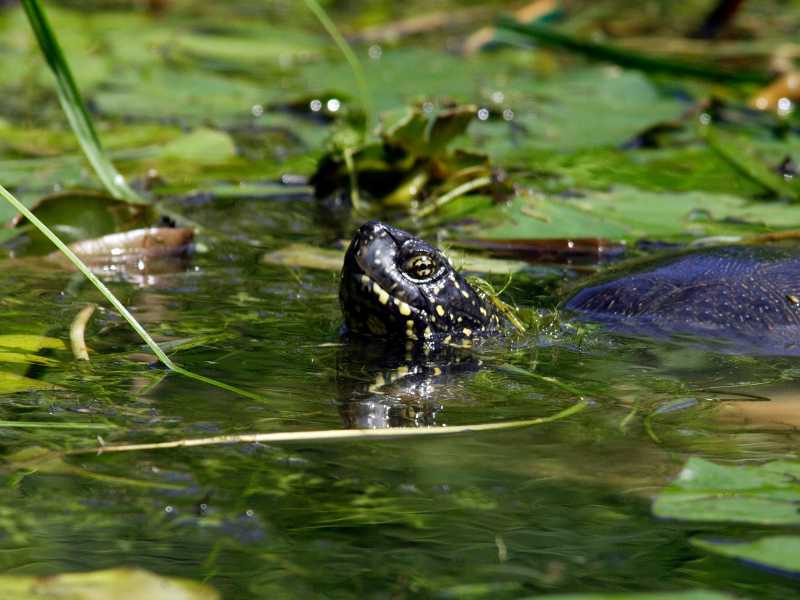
x=352, y=60
x=120, y=308
x=456, y=192
x=79, y=264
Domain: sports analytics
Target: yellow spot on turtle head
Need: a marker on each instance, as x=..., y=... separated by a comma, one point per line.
x=467, y=331
x=440, y=310
x=383, y=296
x=404, y=309
x=483, y=311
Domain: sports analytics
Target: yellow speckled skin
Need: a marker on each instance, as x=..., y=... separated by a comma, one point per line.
x=396, y=285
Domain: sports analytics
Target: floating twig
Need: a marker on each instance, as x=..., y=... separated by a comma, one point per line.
x=334, y=434
x=77, y=331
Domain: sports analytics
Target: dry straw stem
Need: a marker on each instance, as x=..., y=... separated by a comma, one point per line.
x=335, y=434
x=77, y=332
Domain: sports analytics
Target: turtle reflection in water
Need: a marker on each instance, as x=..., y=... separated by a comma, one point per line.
x=397, y=288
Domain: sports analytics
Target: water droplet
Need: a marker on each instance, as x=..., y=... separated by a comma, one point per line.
x=508, y=114
x=315, y=105
x=333, y=105
x=498, y=97
x=483, y=114
x=375, y=52
x=257, y=110
x=785, y=106
x=704, y=119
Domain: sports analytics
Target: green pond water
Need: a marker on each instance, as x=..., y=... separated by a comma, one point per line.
x=554, y=508
x=201, y=96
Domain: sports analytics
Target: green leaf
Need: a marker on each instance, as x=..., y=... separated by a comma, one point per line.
x=630, y=214
x=72, y=104
x=11, y=383
x=741, y=155
x=120, y=584
x=775, y=552
x=704, y=491
x=423, y=134
x=30, y=343
x=684, y=169
x=562, y=112
x=21, y=348
x=84, y=215
x=201, y=146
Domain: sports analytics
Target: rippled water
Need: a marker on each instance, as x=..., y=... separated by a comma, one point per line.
x=559, y=507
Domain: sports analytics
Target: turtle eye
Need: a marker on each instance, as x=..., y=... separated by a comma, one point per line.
x=421, y=266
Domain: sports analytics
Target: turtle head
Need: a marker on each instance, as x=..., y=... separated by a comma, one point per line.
x=396, y=285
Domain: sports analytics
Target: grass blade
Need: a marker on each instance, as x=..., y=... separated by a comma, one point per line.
x=74, y=108
x=352, y=60
x=120, y=308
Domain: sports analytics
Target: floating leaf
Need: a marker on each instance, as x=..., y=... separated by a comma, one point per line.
x=685, y=169
x=120, y=584
x=781, y=552
x=704, y=491
x=741, y=155
x=21, y=348
x=631, y=214
x=201, y=146
x=83, y=215
x=11, y=383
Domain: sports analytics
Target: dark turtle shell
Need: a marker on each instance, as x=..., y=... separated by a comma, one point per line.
x=395, y=285
x=747, y=297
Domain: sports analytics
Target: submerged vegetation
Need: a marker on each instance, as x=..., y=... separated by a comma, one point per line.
x=200, y=165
